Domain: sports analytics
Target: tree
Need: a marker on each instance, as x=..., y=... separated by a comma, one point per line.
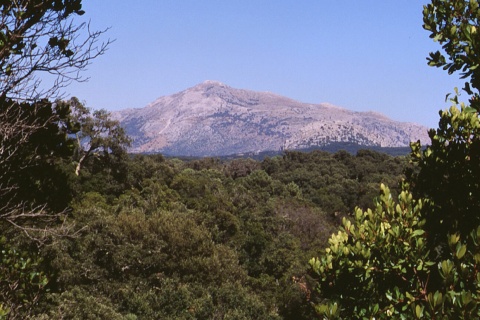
x=420, y=258
x=369, y=268
x=41, y=37
x=31, y=145
x=37, y=37
x=96, y=133
x=447, y=173
x=454, y=24
x=380, y=266
x=21, y=281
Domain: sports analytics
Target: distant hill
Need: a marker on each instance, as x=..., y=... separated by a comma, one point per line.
x=213, y=119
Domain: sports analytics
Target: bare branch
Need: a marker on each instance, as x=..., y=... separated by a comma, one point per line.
x=37, y=39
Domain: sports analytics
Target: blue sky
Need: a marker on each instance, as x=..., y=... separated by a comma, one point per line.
x=361, y=55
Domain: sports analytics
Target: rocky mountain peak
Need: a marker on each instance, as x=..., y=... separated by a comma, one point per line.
x=213, y=119
x=211, y=83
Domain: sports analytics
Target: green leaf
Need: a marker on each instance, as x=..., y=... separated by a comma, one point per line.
x=420, y=266
x=418, y=232
x=470, y=110
x=461, y=250
x=419, y=311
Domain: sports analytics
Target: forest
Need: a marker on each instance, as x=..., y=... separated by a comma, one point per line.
x=157, y=238
x=90, y=231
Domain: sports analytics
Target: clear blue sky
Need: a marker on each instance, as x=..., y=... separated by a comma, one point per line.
x=361, y=55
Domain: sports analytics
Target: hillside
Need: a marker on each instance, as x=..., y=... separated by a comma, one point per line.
x=213, y=119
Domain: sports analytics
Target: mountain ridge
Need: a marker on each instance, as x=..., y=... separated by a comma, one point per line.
x=214, y=119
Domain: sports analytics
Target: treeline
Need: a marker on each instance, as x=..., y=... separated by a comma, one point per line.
x=333, y=147
x=157, y=238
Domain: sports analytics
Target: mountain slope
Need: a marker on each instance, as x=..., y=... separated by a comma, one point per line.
x=212, y=119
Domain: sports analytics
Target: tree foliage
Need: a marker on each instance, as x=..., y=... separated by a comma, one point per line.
x=381, y=266
x=198, y=239
x=97, y=135
x=448, y=174
x=38, y=37
x=31, y=146
x=22, y=282
x=454, y=24
x=419, y=258
x=38, y=40
x=41, y=37
x=374, y=267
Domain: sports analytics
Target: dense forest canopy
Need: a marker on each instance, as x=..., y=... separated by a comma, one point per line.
x=165, y=238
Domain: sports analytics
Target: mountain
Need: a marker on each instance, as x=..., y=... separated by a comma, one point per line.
x=213, y=119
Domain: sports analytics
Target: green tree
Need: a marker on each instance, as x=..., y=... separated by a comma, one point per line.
x=454, y=24
x=22, y=282
x=35, y=37
x=447, y=174
x=380, y=266
x=372, y=266
x=420, y=258
x=97, y=135
x=31, y=146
